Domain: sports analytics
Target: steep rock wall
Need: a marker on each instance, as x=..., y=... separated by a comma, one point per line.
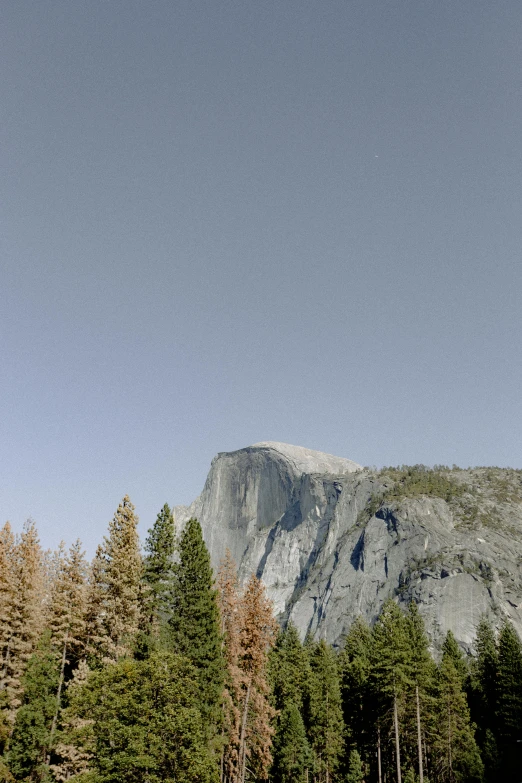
x=297, y=519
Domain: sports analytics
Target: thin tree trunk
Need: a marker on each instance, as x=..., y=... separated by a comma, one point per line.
x=449, y=747
x=397, y=748
x=379, y=753
x=419, y=737
x=327, y=738
x=58, y=697
x=242, y=741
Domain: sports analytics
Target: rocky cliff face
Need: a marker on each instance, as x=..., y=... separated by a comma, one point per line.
x=332, y=540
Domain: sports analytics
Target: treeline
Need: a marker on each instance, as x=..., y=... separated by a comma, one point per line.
x=142, y=667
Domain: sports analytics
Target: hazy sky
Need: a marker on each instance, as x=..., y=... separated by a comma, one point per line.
x=226, y=222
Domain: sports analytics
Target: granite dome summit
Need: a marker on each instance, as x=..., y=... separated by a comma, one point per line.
x=332, y=540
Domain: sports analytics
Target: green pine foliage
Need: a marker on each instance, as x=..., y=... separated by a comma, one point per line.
x=158, y=566
x=456, y=756
x=483, y=698
x=144, y=722
x=325, y=726
x=391, y=675
x=355, y=768
x=290, y=676
x=391, y=652
x=29, y=749
x=509, y=701
x=421, y=663
x=358, y=705
x=289, y=669
x=451, y=649
x=193, y=619
x=292, y=753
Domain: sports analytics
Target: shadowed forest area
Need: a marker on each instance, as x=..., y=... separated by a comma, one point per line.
x=144, y=666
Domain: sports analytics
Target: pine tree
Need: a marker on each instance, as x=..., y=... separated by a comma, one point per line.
x=289, y=674
x=509, y=702
x=113, y=598
x=292, y=753
x=421, y=672
x=66, y=619
x=193, y=619
x=258, y=630
x=122, y=574
x=358, y=708
x=484, y=696
x=22, y=614
x=325, y=719
x=96, y=635
x=158, y=566
x=29, y=746
x=289, y=668
x=391, y=666
x=355, y=768
x=143, y=722
x=456, y=755
x=450, y=647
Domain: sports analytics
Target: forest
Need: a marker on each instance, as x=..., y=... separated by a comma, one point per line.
x=145, y=666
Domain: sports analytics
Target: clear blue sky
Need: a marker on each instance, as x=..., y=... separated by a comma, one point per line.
x=225, y=222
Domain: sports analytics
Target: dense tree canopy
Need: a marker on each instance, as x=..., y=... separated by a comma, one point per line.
x=149, y=670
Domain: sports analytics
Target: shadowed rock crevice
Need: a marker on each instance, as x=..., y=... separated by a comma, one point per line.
x=357, y=557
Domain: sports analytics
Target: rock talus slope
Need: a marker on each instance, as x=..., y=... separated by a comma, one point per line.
x=332, y=540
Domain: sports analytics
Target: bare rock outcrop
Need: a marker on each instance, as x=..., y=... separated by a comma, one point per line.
x=332, y=540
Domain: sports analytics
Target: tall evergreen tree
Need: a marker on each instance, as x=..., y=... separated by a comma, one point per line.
x=456, y=755
x=289, y=668
x=96, y=633
x=122, y=573
x=325, y=718
x=421, y=675
x=391, y=667
x=484, y=696
x=158, y=566
x=193, y=619
x=290, y=674
x=358, y=708
x=292, y=753
x=66, y=619
x=509, y=702
x=29, y=746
